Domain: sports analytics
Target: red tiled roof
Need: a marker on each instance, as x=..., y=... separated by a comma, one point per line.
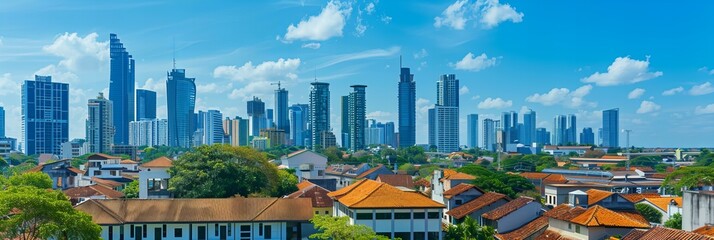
x=507, y=208
x=372, y=194
x=595, y=196
x=705, y=230
x=93, y=190
x=316, y=193
x=396, y=180
x=476, y=204
x=555, y=178
x=459, y=176
x=658, y=233
x=161, y=162
x=526, y=231
x=458, y=189
x=127, y=161
x=422, y=183
x=304, y=184
x=564, y=212
x=75, y=170
x=637, y=197
x=106, y=183
x=551, y=235
x=534, y=175
x=599, y=216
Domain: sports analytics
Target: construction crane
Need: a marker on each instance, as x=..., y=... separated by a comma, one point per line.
x=277, y=83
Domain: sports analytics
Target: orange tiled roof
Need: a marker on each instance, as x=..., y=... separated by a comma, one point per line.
x=127, y=161
x=526, y=231
x=422, y=183
x=534, y=175
x=658, y=233
x=161, y=162
x=317, y=194
x=555, y=178
x=75, y=170
x=634, y=215
x=476, y=204
x=93, y=190
x=613, y=157
x=103, y=156
x=705, y=230
x=599, y=216
x=564, y=212
x=304, y=184
x=372, y=194
x=106, y=183
x=458, y=189
x=507, y=208
x=663, y=202
x=551, y=235
x=448, y=172
x=370, y=171
x=595, y=196
x=637, y=197
x=460, y=176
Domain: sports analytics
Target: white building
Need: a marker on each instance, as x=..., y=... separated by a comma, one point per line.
x=443, y=180
x=105, y=167
x=667, y=206
x=512, y=215
x=154, y=179
x=306, y=163
x=74, y=148
x=697, y=210
x=149, y=132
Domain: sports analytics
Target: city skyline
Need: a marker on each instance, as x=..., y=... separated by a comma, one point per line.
x=648, y=82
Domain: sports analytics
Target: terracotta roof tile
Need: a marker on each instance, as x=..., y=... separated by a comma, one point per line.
x=551, y=235
x=564, y=212
x=534, y=175
x=75, y=170
x=637, y=197
x=161, y=162
x=458, y=189
x=595, y=196
x=460, y=176
x=705, y=230
x=663, y=202
x=422, y=183
x=526, y=231
x=401, y=180
x=93, y=190
x=658, y=233
x=507, y=208
x=102, y=155
x=304, y=184
x=476, y=204
x=316, y=193
x=106, y=183
x=372, y=194
x=634, y=215
x=599, y=216
x=127, y=161
x=555, y=178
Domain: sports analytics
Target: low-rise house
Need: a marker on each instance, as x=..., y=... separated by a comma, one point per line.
x=306, y=163
x=443, y=180
x=477, y=207
x=154, y=178
x=106, y=167
x=201, y=219
x=389, y=211
x=659, y=233
x=458, y=195
x=597, y=222
x=529, y=231
x=321, y=203
x=80, y=194
x=397, y=180
x=512, y=215
x=374, y=172
x=697, y=209
x=667, y=206
x=539, y=180
x=609, y=200
x=345, y=174
x=556, y=194
x=63, y=175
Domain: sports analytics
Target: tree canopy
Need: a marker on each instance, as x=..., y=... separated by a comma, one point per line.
x=287, y=183
x=329, y=227
x=689, y=177
x=219, y=171
x=649, y=212
x=131, y=190
x=489, y=180
x=675, y=221
x=469, y=229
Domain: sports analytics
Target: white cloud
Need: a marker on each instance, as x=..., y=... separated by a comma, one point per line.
x=702, y=89
x=360, y=28
x=470, y=62
x=329, y=23
x=212, y=88
x=707, y=70
x=267, y=71
x=421, y=54
x=313, y=45
x=372, y=53
x=463, y=90
x=9, y=86
x=78, y=52
x=563, y=96
x=423, y=105
x=386, y=19
x=494, y=103
x=623, y=70
x=57, y=74
x=490, y=13
x=648, y=107
x=476, y=97
x=637, y=93
x=370, y=8
x=672, y=91
x=708, y=109
x=78, y=96
x=157, y=86
x=380, y=116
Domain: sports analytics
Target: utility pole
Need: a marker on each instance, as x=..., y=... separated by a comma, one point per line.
x=627, y=131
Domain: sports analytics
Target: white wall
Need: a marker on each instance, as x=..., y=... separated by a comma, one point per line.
x=697, y=210
x=277, y=231
x=518, y=218
x=150, y=173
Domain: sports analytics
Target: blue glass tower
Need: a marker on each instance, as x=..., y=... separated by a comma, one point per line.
x=472, y=130
x=145, y=104
x=611, y=127
x=299, y=133
x=407, y=108
x=281, y=110
x=529, y=127
x=45, y=115
x=587, y=136
x=181, y=100
x=121, y=89
x=2, y=122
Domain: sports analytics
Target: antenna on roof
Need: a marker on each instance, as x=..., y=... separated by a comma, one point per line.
x=400, y=61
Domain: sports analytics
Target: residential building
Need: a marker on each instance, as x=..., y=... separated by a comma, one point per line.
x=587, y=136
x=74, y=148
x=512, y=215
x=121, y=88
x=237, y=131
x=559, y=193
x=212, y=127
x=659, y=232
x=107, y=170
x=407, y=214
x=299, y=118
x=100, y=129
x=566, y=150
x=489, y=135
x=7, y=146
x=181, y=101
x=568, y=222
x=611, y=128
x=560, y=130
x=457, y=196
x=282, y=120
x=63, y=175
x=529, y=128
x=154, y=179
x=397, y=180
x=275, y=136
x=306, y=164
x=145, y=104
x=321, y=203
x=328, y=139
x=407, y=108
x=476, y=207
x=78, y=195
x=444, y=128
x=45, y=115
x=345, y=174
x=319, y=115
x=256, y=113
x=542, y=136
x=472, y=130
x=202, y=219
x=444, y=180
x=697, y=209
x=539, y=180
x=530, y=231
x=345, y=121
x=149, y=132
x=667, y=206
x=357, y=113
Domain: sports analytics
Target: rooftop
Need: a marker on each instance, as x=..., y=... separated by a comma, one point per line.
x=372, y=194
x=663, y=202
x=527, y=230
x=476, y=204
x=161, y=162
x=595, y=196
x=401, y=180
x=599, y=216
x=458, y=189
x=705, y=230
x=370, y=171
x=658, y=233
x=317, y=194
x=91, y=191
x=507, y=208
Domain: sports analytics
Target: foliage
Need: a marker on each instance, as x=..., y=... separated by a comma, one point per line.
x=675, y=221
x=333, y=154
x=661, y=167
x=647, y=161
x=131, y=190
x=529, y=163
x=41, y=213
x=19, y=169
x=408, y=168
x=649, y=212
x=220, y=170
x=287, y=183
x=488, y=180
x=689, y=177
x=469, y=229
x=279, y=151
x=412, y=154
x=17, y=158
x=705, y=158
x=425, y=171
x=151, y=153
x=339, y=228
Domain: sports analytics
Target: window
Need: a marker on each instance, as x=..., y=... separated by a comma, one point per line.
x=96, y=173
x=383, y=216
x=178, y=232
x=570, y=226
x=459, y=201
x=402, y=215
x=320, y=172
x=327, y=212
x=201, y=233
x=577, y=228
x=245, y=232
x=260, y=229
x=364, y=216
x=144, y=230
x=268, y=232
x=131, y=231
x=433, y=215
x=163, y=230
x=121, y=233
x=419, y=215
x=111, y=232
x=317, y=212
x=215, y=230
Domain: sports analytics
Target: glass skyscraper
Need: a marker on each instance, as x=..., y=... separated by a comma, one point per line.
x=560, y=130
x=444, y=117
x=100, y=130
x=281, y=110
x=572, y=131
x=256, y=113
x=611, y=127
x=2, y=122
x=407, y=108
x=587, y=136
x=472, y=130
x=45, y=115
x=181, y=101
x=529, y=128
x=320, y=115
x=356, y=117
x=212, y=127
x=299, y=133
x=121, y=88
x=489, y=135
x=145, y=104
x=345, y=121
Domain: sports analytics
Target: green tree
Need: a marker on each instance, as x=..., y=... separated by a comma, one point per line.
x=689, y=177
x=339, y=228
x=220, y=170
x=41, y=213
x=469, y=229
x=674, y=222
x=333, y=154
x=131, y=190
x=287, y=183
x=649, y=212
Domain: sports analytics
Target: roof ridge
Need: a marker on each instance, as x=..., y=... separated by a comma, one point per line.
x=265, y=209
x=111, y=213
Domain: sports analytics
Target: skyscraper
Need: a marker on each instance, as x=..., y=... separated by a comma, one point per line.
x=560, y=129
x=145, y=104
x=2, y=122
x=256, y=113
x=542, y=136
x=299, y=133
x=320, y=115
x=529, y=127
x=587, y=136
x=45, y=115
x=472, y=130
x=407, y=108
x=270, y=118
x=212, y=127
x=121, y=88
x=345, y=121
x=282, y=120
x=237, y=131
x=181, y=103
x=444, y=117
x=149, y=132
x=611, y=127
x=100, y=130
x=374, y=132
x=509, y=122
x=489, y=135
x=357, y=114
x=389, y=136
x=572, y=130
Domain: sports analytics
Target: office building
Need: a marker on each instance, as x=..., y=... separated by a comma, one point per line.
x=7, y=146
x=344, y=121
x=145, y=104
x=149, y=132
x=472, y=130
x=407, y=108
x=542, y=136
x=299, y=118
x=357, y=114
x=374, y=133
x=611, y=127
x=489, y=135
x=529, y=128
x=320, y=115
x=282, y=120
x=572, y=131
x=121, y=88
x=256, y=113
x=509, y=122
x=275, y=136
x=560, y=129
x=212, y=127
x=181, y=102
x=269, y=118
x=444, y=117
x=236, y=130
x=100, y=130
x=599, y=136
x=327, y=139
x=390, y=138
x=45, y=115
x=2, y=122
x=587, y=136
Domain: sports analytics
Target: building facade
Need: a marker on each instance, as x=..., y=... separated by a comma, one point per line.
x=145, y=104
x=319, y=114
x=45, y=115
x=587, y=136
x=611, y=128
x=74, y=148
x=356, y=117
x=407, y=108
x=560, y=130
x=181, y=102
x=100, y=129
x=472, y=130
x=237, y=131
x=444, y=117
x=282, y=120
x=529, y=128
x=212, y=127
x=121, y=88
x=149, y=132
x=489, y=135
x=256, y=113
x=299, y=118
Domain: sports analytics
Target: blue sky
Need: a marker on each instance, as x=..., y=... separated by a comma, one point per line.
x=651, y=60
